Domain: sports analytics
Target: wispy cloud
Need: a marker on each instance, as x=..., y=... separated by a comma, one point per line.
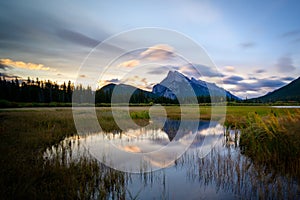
x=162, y=69
x=158, y=52
x=293, y=36
x=130, y=148
x=3, y=66
x=229, y=68
x=291, y=33
x=114, y=80
x=287, y=78
x=259, y=85
x=260, y=71
x=102, y=83
x=130, y=63
x=285, y=64
x=20, y=64
x=9, y=76
x=247, y=45
x=197, y=70
x=232, y=80
x=77, y=38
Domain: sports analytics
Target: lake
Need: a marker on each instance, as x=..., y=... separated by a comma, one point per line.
x=175, y=161
x=285, y=106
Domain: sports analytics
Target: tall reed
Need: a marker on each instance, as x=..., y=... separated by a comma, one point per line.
x=274, y=141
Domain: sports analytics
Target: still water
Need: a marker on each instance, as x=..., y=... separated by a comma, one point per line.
x=212, y=167
x=285, y=106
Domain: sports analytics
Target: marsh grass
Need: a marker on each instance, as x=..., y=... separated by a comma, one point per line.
x=274, y=141
x=24, y=172
x=238, y=175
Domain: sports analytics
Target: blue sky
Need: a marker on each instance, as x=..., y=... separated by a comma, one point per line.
x=254, y=44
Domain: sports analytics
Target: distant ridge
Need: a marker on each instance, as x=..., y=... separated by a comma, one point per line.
x=123, y=93
x=289, y=92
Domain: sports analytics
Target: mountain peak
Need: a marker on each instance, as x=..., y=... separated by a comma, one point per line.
x=178, y=84
x=172, y=74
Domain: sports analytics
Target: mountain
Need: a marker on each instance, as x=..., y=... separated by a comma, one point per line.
x=174, y=87
x=289, y=92
x=123, y=93
x=176, y=84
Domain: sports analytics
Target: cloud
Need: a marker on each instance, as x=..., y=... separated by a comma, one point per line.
x=158, y=52
x=269, y=83
x=197, y=70
x=260, y=71
x=229, y=68
x=163, y=69
x=77, y=38
x=287, y=78
x=102, y=83
x=252, y=78
x=285, y=64
x=9, y=76
x=232, y=80
x=291, y=33
x=130, y=148
x=130, y=63
x=23, y=65
x=113, y=80
x=3, y=66
x=42, y=33
x=157, y=71
x=259, y=85
x=247, y=45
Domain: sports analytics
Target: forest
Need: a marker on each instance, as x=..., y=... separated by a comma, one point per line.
x=42, y=91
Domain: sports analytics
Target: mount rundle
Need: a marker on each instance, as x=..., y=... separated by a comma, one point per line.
x=174, y=86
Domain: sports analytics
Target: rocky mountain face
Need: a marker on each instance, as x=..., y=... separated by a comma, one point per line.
x=180, y=86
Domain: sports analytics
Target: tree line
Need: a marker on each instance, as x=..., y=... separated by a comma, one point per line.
x=41, y=91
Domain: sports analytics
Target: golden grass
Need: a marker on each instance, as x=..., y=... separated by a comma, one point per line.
x=273, y=141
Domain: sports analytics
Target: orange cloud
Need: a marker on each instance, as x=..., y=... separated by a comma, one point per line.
x=158, y=52
x=131, y=148
x=23, y=65
x=230, y=68
x=130, y=63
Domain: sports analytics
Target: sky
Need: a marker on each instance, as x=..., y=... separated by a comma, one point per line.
x=247, y=47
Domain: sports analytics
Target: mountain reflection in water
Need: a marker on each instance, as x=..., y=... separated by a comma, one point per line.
x=222, y=174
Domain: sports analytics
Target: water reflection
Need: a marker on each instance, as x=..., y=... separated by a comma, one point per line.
x=223, y=174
